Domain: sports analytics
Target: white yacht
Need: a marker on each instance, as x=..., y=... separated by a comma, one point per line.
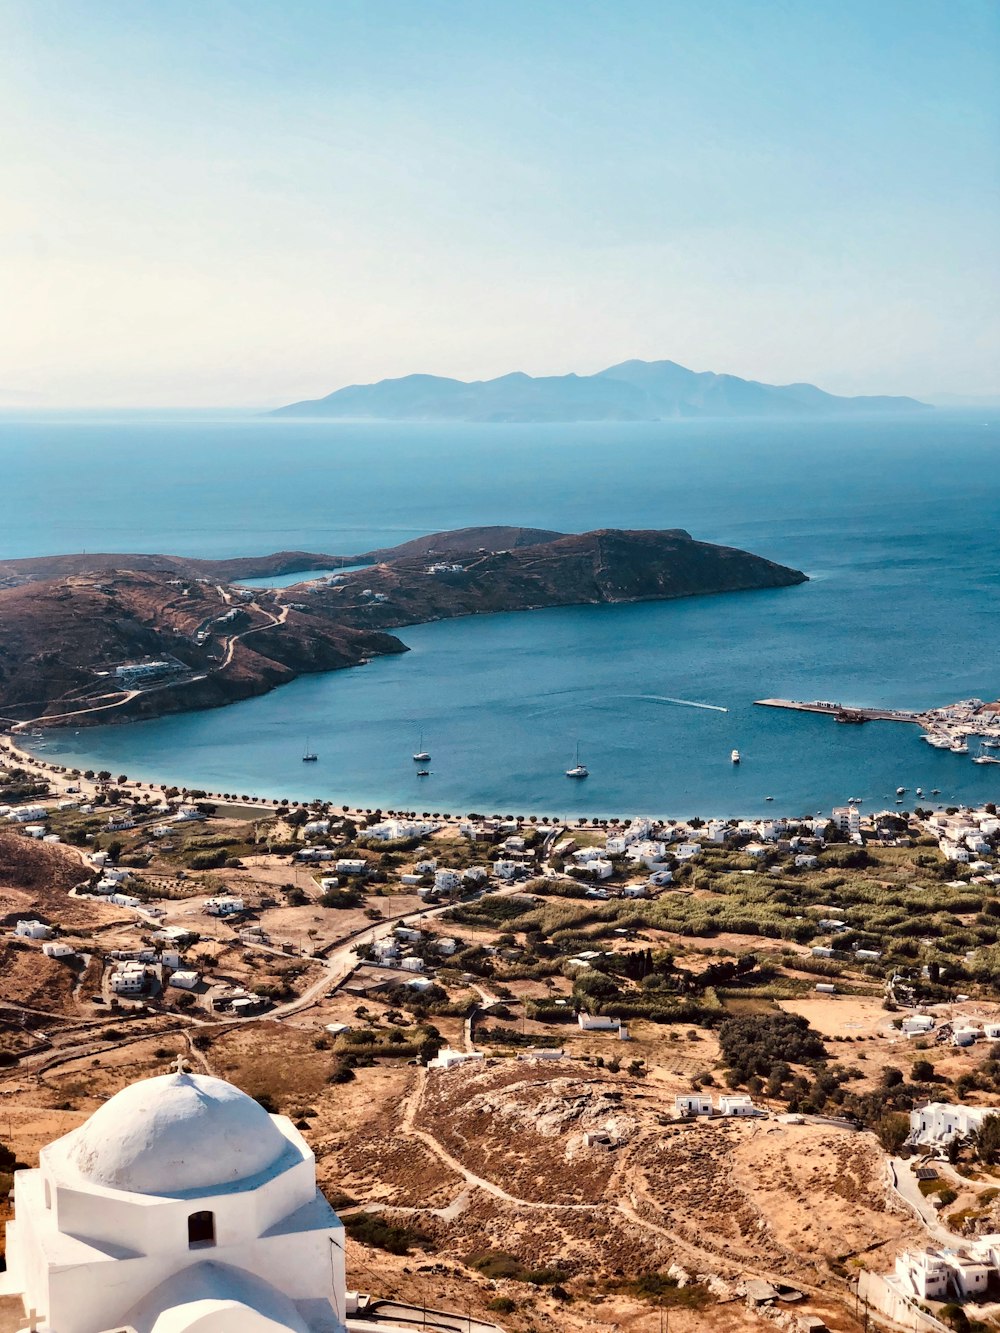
x=735, y=756
x=959, y=746
x=984, y=757
x=900, y=791
x=421, y=757
x=578, y=770
x=938, y=741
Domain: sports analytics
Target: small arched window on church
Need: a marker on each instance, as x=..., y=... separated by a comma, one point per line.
x=48, y=1195
x=201, y=1230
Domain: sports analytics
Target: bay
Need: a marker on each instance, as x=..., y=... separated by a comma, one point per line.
x=895, y=522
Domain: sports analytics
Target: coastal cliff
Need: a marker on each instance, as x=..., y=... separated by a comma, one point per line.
x=68, y=623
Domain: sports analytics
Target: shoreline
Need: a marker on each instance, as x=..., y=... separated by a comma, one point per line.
x=61, y=777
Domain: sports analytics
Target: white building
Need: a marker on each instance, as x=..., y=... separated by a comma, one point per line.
x=848, y=820
x=693, y=1103
x=184, y=980
x=939, y=1274
x=446, y=880
x=58, y=950
x=598, y=1023
x=447, y=1058
x=400, y=830
x=939, y=1122
x=916, y=1024
x=179, y=1205
x=33, y=930
x=128, y=982
x=352, y=866
x=223, y=906
x=737, y=1104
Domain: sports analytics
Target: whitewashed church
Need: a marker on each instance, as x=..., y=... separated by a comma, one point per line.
x=180, y=1206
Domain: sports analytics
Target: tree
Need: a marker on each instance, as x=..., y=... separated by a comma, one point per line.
x=987, y=1140
x=922, y=1071
x=892, y=1131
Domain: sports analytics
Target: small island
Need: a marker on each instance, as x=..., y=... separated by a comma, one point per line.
x=90, y=639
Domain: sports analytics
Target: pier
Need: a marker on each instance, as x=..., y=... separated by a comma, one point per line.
x=845, y=712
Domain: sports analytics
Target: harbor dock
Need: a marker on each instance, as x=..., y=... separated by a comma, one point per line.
x=844, y=712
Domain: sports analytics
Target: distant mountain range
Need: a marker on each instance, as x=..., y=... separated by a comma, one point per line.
x=632, y=391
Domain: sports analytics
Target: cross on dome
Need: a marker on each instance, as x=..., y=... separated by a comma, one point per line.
x=180, y=1065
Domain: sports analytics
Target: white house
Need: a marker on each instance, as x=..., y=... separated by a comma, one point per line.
x=58, y=950
x=938, y=1274
x=506, y=869
x=965, y=1036
x=940, y=1122
x=916, y=1024
x=34, y=930
x=693, y=1103
x=223, y=906
x=184, y=980
x=923, y=1274
x=446, y=1058
x=737, y=1104
x=352, y=866
x=412, y=964
x=125, y=982
x=446, y=945
x=446, y=880
x=179, y=1205
x=597, y=1023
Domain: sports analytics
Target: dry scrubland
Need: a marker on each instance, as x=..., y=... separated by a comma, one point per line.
x=475, y=1184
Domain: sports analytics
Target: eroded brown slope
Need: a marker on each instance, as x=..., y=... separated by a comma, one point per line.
x=60, y=638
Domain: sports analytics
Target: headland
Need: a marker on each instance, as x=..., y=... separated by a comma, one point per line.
x=88, y=639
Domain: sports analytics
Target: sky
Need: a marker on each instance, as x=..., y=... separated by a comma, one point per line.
x=247, y=202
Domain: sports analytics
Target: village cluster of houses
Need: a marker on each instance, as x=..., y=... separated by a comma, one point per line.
x=968, y=838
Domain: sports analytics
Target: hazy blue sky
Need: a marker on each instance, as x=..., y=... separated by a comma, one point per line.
x=250, y=201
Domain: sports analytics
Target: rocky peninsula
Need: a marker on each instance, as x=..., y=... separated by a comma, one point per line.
x=101, y=638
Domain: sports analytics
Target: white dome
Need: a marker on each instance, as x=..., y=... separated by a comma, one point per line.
x=174, y=1134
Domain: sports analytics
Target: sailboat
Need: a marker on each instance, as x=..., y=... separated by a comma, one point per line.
x=578, y=770
x=421, y=757
x=310, y=756
x=984, y=757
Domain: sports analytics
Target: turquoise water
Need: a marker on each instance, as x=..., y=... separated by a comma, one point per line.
x=894, y=521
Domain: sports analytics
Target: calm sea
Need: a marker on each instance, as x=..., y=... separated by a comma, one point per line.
x=894, y=521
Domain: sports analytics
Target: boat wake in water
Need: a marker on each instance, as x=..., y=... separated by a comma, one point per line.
x=687, y=703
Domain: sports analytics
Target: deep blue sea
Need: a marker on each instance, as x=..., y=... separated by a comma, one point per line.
x=895, y=522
